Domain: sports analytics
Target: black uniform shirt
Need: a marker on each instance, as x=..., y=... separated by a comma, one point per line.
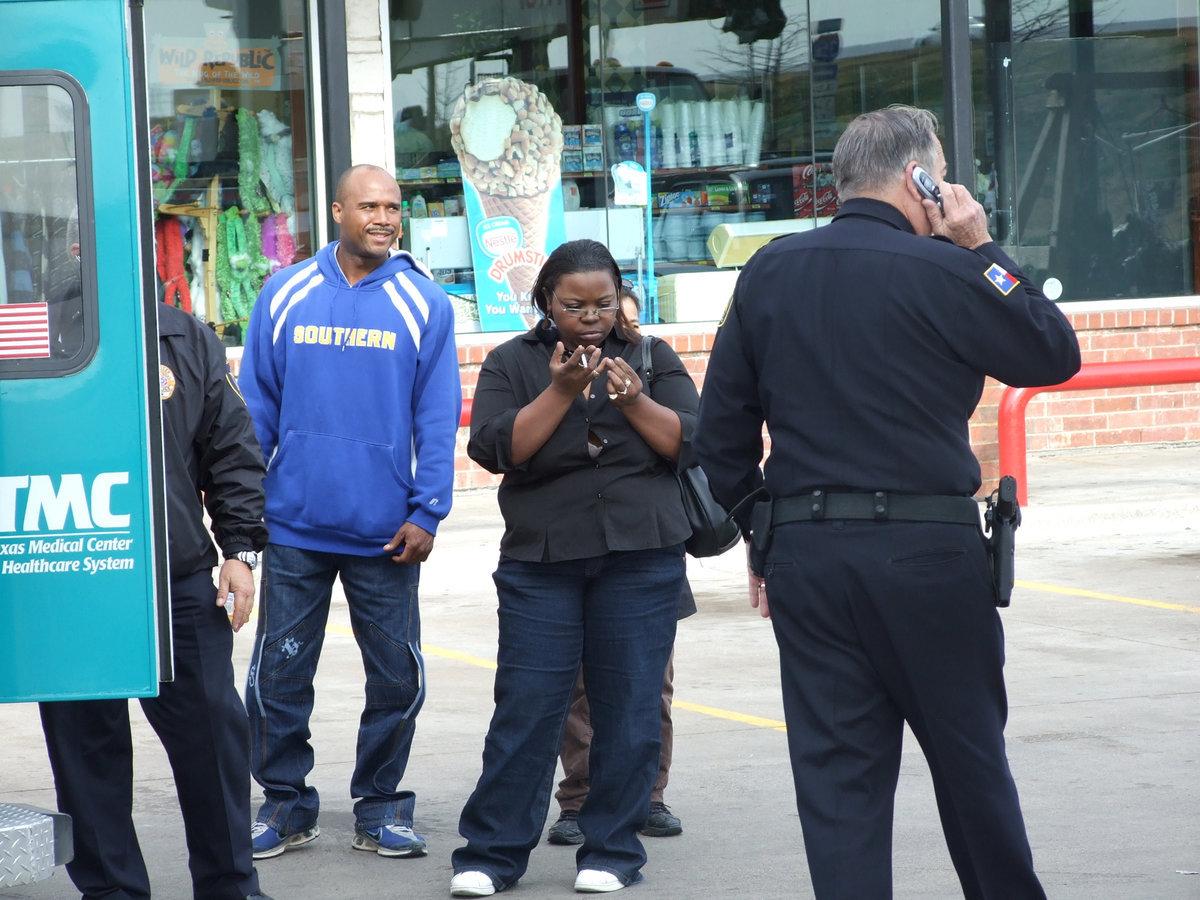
x=562, y=503
x=864, y=346
x=212, y=456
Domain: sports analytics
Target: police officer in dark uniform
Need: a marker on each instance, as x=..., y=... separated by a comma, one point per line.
x=863, y=345
x=213, y=461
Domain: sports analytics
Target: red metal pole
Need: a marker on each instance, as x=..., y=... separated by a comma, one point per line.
x=1132, y=373
x=1091, y=376
x=465, y=418
x=1010, y=419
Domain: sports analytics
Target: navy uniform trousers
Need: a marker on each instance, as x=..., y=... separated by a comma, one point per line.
x=202, y=725
x=879, y=624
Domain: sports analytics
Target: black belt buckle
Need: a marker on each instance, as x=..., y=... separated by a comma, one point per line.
x=818, y=506
x=879, y=506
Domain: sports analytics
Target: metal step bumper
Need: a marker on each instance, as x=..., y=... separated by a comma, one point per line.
x=32, y=842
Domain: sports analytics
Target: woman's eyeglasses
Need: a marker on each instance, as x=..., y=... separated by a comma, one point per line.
x=580, y=311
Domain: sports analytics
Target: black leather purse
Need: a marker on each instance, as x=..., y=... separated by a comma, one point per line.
x=713, y=531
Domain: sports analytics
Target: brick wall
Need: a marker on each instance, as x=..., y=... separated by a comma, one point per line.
x=1055, y=421
x=1133, y=415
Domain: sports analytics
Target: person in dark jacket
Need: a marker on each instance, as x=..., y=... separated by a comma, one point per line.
x=863, y=346
x=213, y=462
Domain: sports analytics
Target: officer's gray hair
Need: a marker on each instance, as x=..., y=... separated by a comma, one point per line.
x=877, y=145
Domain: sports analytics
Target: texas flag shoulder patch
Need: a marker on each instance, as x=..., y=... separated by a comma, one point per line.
x=1002, y=281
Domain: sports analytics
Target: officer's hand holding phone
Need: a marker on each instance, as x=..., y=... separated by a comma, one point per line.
x=952, y=211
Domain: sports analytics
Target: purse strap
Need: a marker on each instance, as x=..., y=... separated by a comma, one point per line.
x=648, y=367
x=647, y=364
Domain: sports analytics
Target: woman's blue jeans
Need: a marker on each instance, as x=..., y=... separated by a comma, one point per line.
x=616, y=614
x=292, y=614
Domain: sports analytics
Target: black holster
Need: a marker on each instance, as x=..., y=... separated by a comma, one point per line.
x=1002, y=517
x=761, y=529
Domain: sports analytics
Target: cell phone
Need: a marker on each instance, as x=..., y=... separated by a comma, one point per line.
x=927, y=187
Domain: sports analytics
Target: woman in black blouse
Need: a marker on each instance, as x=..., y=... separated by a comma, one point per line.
x=591, y=569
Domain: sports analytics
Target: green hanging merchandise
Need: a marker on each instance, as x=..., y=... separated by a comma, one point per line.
x=235, y=268
x=179, y=164
x=260, y=266
x=251, y=196
x=250, y=165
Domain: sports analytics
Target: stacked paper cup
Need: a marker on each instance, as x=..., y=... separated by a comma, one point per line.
x=660, y=235
x=687, y=136
x=734, y=148
x=755, y=135
x=677, y=231
x=670, y=135
x=702, y=121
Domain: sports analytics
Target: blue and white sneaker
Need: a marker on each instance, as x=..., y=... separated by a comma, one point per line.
x=268, y=842
x=390, y=840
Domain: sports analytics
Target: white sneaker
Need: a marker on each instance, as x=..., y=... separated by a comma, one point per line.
x=593, y=881
x=471, y=884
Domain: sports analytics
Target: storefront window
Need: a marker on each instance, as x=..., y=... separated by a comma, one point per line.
x=47, y=280
x=1088, y=135
x=230, y=148
x=751, y=96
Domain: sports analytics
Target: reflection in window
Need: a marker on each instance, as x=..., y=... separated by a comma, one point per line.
x=41, y=287
x=1098, y=180
x=229, y=137
x=751, y=98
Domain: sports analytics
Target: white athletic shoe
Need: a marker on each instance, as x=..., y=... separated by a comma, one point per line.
x=593, y=881
x=471, y=884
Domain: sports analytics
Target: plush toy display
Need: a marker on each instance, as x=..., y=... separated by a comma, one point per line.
x=168, y=236
x=197, y=243
x=247, y=238
x=169, y=153
x=279, y=181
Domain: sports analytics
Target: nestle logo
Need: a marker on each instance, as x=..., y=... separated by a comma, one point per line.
x=499, y=236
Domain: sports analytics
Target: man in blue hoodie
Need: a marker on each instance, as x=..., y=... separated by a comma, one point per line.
x=350, y=372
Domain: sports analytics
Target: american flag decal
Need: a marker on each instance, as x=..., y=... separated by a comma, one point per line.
x=24, y=330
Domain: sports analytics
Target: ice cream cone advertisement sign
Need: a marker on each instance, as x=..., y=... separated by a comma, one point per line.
x=509, y=143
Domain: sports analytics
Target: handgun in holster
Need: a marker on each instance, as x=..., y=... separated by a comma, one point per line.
x=1002, y=516
x=760, y=534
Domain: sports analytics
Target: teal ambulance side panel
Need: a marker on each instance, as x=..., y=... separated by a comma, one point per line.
x=81, y=495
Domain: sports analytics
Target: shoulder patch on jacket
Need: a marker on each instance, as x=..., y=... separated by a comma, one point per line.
x=725, y=314
x=1000, y=279
x=166, y=382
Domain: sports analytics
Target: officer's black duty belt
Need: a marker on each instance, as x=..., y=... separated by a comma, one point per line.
x=879, y=506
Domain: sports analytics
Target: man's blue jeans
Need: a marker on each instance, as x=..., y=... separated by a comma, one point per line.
x=292, y=614
x=617, y=613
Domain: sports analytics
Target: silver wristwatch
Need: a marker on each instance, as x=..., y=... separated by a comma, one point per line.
x=249, y=557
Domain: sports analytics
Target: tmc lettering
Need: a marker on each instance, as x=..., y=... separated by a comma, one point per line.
x=337, y=336
x=89, y=564
x=31, y=503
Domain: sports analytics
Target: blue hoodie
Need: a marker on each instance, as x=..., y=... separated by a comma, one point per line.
x=355, y=396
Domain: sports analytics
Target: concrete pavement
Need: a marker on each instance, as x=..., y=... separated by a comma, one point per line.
x=1103, y=671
